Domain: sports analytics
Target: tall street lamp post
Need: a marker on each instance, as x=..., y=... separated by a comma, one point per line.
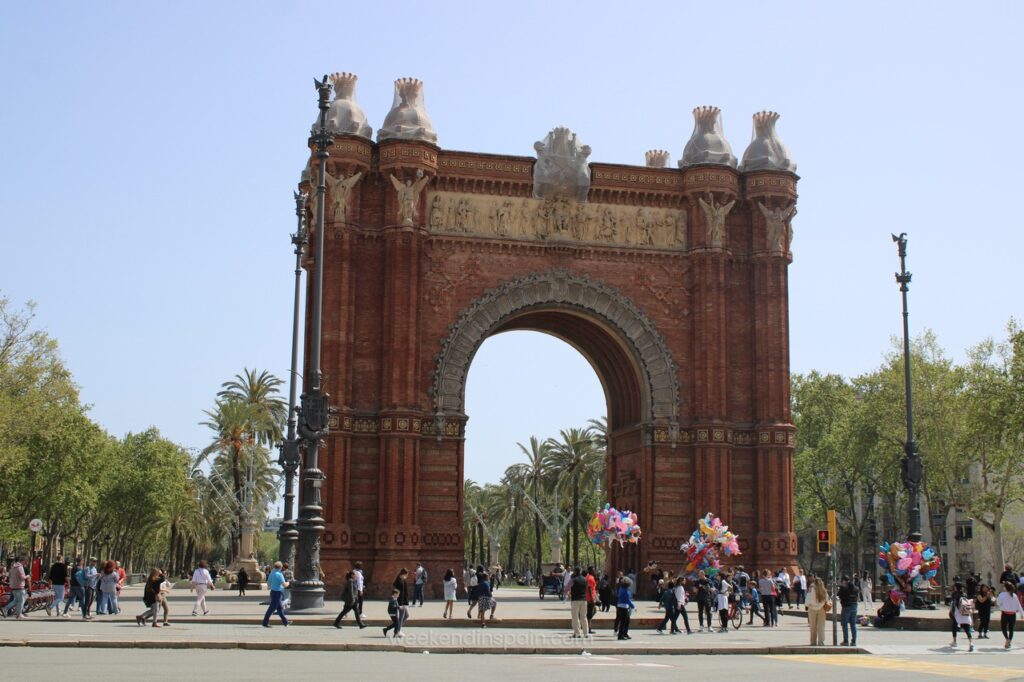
x=307, y=588
x=912, y=468
x=289, y=452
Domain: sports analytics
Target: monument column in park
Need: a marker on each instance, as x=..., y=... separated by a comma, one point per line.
x=672, y=282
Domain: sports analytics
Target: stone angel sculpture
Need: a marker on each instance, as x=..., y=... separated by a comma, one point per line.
x=780, y=231
x=341, y=188
x=408, y=193
x=714, y=215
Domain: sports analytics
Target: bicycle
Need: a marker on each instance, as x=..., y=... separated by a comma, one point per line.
x=736, y=610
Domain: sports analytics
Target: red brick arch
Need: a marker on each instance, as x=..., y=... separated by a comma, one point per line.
x=688, y=334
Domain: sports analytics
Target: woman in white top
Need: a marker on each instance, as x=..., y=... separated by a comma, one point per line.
x=817, y=603
x=866, y=589
x=1010, y=607
x=724, y=589
x=450, y=587
x=201, y=581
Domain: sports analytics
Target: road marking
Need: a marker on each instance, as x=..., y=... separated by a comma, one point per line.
x=891, y=665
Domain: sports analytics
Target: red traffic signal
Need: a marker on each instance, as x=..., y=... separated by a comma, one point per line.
x=824, y=542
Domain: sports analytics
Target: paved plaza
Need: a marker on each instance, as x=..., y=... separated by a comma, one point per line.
x=525, y=626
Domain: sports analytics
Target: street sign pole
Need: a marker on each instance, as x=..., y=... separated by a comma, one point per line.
x=835, y=598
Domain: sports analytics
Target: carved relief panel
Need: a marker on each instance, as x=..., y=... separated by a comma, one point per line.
x=555, y=219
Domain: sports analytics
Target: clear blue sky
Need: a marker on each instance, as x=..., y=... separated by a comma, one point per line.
x=148, y=152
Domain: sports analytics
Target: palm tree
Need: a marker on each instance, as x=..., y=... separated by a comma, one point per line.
x=574, y=459
x=532, y=473
x=260, y=392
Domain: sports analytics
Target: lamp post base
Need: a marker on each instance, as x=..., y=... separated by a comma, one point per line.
x=307, y=596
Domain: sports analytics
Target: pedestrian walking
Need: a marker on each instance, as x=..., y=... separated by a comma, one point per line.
x=784, y=585
x=151, y=598
x=451, y=588
x=766, y=585
x=800, y=586
x=242, y=581
x=89, y=578
x=983, y=603
x=1009, y=608
x=682, y=598
x=578, y=604
x=57, y=577
x=402, y=586
x=485, y=598
x=419, y=580
x=725, y=590
x=277, y=584
x=755, y=605
x=867, y=590
x=623, y=607
x=604, y=593
x=818, y=607
x=848, y=595
x=201, y=582
x=961, y=612
x=350, y=598
x=395, y=612
x=357, y=572
x=18, y=582
x=75, y=588
x=108, y=581
x=670, y=603
x=591, y=577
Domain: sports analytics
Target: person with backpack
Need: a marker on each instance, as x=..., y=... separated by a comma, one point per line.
x=670, y=603
x=961, y=611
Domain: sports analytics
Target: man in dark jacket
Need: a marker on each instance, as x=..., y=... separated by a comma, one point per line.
x=848, y=600
x=57, y=576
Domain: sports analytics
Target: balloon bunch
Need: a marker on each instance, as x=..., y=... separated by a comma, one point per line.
x=908, y=565
x=610, y=525
x=702, y=549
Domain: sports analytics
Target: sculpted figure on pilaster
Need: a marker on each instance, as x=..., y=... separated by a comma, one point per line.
x=780, y=229
x=341, y=189
x=714, y=218
x=561, y=171
x=408, y=193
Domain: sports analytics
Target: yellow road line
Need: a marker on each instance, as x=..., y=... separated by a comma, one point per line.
x=963, y=672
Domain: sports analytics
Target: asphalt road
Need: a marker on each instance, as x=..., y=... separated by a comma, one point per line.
x=132, y=664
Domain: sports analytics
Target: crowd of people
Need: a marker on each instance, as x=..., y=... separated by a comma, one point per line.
x=94, y=588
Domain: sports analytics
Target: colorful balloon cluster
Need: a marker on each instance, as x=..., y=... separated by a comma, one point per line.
x=610, y=525
x=711, y=538
x=908, y=565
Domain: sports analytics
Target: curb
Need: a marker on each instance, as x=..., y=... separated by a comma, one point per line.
x=401, y=648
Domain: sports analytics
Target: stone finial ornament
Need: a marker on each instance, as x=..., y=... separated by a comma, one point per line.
x=656, y=158
x=345, y=116
x=561, y=171
x=766, y=151
x=408, y=119
x=708, y=143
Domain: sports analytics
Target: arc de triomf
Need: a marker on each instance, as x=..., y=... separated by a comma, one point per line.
x=672, y=282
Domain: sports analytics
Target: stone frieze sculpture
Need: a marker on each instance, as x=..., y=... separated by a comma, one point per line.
x=707, y=144
x=766, y=151
x=561, y=171
x=555, y=220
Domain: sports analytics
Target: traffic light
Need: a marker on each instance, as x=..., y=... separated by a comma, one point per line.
x=823, y=542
